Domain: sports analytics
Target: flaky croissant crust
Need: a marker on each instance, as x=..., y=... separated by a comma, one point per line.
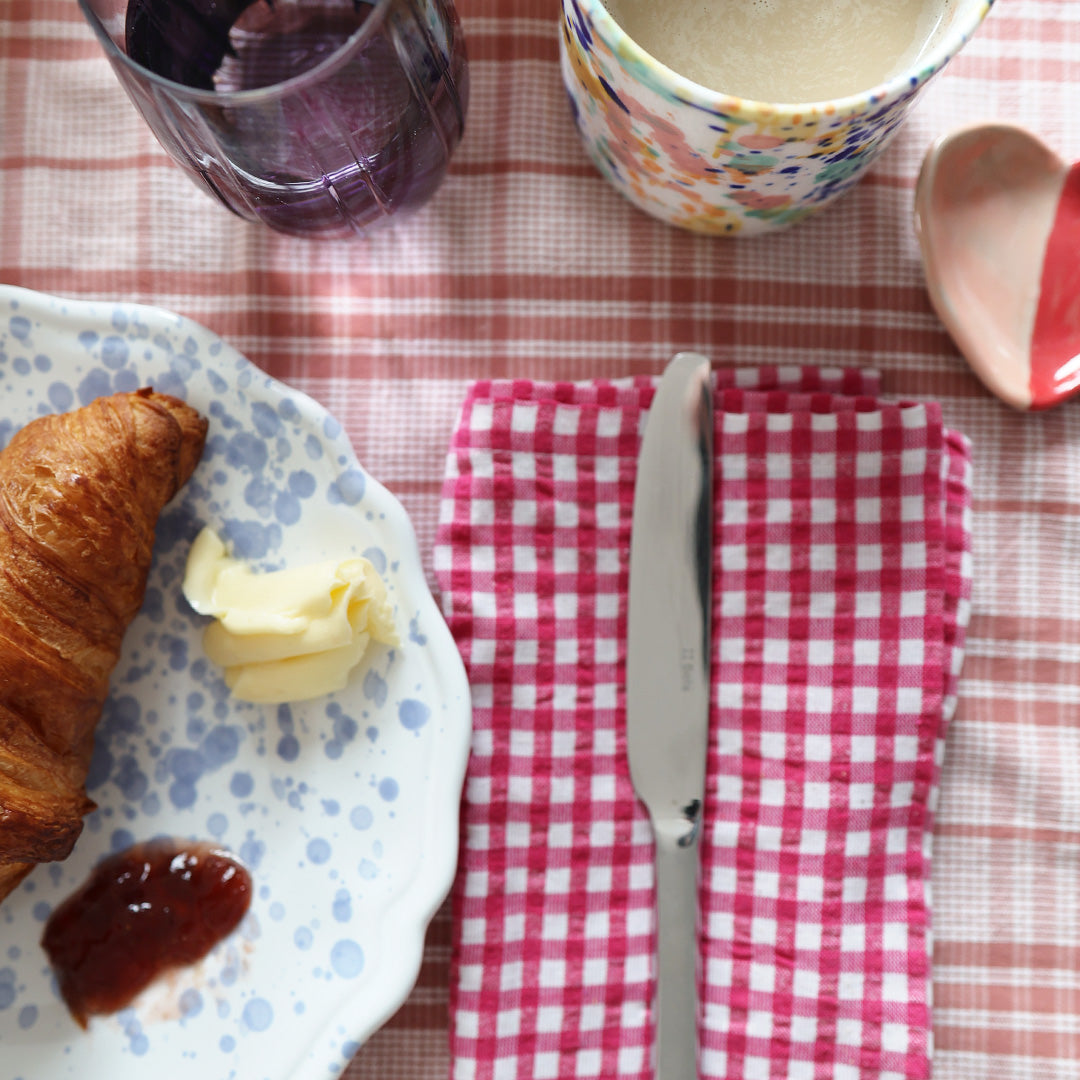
x=80, y=495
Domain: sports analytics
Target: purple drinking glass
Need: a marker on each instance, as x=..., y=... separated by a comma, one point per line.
x=319, y=118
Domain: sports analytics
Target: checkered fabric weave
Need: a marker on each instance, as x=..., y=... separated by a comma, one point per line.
x=841, y=596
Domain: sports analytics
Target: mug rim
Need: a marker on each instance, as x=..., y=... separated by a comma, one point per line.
x=225, y=98
x=665, y=79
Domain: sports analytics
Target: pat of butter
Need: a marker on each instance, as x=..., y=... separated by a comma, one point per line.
x=286, y=635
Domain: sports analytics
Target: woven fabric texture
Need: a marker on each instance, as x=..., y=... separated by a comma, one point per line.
x=841, y=581
x=527, y=265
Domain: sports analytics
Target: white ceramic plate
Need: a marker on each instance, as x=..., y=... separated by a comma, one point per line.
x=345, y=809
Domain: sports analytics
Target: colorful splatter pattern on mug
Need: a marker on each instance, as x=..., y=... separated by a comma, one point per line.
x=710, y=163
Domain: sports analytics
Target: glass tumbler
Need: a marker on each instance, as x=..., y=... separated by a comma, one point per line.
x=319, y=118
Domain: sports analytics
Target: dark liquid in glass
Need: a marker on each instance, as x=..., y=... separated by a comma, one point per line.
x=332, y=153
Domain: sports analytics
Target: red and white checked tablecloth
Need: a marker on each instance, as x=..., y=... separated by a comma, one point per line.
x=841, y=583
x=527, y=265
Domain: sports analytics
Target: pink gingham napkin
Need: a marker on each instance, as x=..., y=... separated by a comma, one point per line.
x=841, y=583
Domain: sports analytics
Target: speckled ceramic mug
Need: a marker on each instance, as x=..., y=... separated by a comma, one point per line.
x=724, y=165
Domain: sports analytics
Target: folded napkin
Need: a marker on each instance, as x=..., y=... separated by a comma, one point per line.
x=841, y=583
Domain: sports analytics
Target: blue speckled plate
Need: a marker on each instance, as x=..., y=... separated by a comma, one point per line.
x=345, y=808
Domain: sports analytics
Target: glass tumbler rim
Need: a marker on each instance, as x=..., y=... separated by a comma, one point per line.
x=253, y=96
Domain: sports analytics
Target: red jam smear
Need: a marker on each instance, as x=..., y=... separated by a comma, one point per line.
x=143, y=911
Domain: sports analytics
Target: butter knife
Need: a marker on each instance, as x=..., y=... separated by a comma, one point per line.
x=667, y=679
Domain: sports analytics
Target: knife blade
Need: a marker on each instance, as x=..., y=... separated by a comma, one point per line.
x=667, y=679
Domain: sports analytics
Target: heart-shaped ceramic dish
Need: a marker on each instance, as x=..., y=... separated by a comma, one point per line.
x=997, y=214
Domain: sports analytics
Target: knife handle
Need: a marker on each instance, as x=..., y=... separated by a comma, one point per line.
x=675, y=1010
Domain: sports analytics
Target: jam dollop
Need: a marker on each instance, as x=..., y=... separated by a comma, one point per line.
x=155, y=906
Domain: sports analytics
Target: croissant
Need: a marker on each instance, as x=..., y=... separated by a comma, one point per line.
x=80, y=495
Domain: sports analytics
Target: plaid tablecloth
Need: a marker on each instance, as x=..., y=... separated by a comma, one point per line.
x=527, y=264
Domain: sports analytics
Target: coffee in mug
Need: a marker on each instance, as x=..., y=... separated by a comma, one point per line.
x=784, y=50
x=739, y=117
